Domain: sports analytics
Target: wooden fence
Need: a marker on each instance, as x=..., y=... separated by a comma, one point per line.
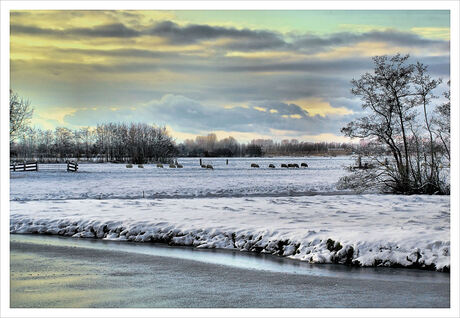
x=72, y=166
x=24, y=166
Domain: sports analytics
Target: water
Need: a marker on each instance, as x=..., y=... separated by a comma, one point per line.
x=64, y=272
x=245, y=260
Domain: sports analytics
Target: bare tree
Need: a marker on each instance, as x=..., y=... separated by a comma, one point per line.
x=392, y=96
x=442, y=122
x=20, y=115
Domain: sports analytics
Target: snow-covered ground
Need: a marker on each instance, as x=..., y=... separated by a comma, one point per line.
x=237, y=207
x=235, y=179
x=371, y=229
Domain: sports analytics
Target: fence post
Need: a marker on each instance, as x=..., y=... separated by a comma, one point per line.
x=24, y=166
x=14, y=166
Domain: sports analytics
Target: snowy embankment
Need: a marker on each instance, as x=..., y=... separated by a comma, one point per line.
x=364, y=230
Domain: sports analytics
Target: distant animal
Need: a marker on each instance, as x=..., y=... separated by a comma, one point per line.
x=303, y=164
x=209, y=167
x=283, y=165
x=140, y=166
x=254, y=165
x=179, y=165
x=129, y=165
x=271, y=165
x=203, y=166
x=290, y=165
x=159, y=165
x=294, y=165
x=172, y=165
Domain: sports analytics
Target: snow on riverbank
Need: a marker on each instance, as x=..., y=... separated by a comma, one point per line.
x=365, y=230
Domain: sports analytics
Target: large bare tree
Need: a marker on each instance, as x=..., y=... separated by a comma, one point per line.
x=397, y=98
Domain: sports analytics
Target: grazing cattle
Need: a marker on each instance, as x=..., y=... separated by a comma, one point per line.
x=290, y=165
x=171, y=165
x=283, y=165
x=254, y=165
x=129, y=165
x=209, y=167
x=271, y=165
x=303, y=164
x=294, y=165
x=159, y=165
x=140, y=166
x=179, y=165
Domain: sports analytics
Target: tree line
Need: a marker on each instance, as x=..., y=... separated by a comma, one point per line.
x=210, y=146
x=143, y=143
x=109, y=142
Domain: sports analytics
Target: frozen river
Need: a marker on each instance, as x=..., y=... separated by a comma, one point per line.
x=65, y=272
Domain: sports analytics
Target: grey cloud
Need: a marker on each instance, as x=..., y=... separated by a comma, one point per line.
x=402, y=38
x=282, y=108
x=109, y=30
x=116, y=30
x=313, y=43
x=32, y=30
x=240, y=39
x=187, y=115
x=176, y=34
x=215, y=86
x=306, y=65
x=119, y=53
x=194, y=32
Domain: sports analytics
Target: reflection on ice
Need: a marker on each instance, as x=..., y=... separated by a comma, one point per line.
x=244, y=260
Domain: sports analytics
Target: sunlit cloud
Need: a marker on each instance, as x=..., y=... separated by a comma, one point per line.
x=318, y=106
x=433, y=32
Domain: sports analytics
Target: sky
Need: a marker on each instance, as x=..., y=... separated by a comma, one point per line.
x=246, y=74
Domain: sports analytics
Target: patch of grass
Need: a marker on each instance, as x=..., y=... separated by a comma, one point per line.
x=281, y=244
x=332, y=245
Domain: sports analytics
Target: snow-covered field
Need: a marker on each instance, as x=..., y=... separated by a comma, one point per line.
x=109, y=181
x=237, y=207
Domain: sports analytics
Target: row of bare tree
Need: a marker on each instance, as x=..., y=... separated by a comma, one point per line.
x=135, y=142
x=210, y=146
